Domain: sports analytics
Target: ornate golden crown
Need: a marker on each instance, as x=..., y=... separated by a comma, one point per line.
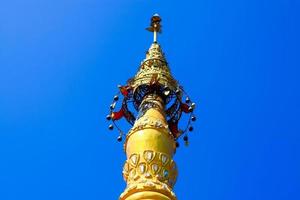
x=154, y=77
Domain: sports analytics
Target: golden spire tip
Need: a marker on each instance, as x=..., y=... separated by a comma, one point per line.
x=155, y=26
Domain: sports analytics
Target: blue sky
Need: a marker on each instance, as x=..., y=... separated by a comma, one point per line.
x=60, y=63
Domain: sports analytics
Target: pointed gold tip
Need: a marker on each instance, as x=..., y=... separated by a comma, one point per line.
x=155, y=26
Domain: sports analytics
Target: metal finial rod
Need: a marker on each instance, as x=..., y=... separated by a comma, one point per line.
x=155, y=26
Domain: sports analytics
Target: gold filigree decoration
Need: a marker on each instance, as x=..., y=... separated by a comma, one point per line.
x=152, y=166
x=155, y=64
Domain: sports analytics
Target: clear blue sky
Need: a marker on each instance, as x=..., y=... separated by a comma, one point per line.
x=60, y=62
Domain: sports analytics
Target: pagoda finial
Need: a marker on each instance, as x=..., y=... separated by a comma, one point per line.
x=153, y=103
x=155, y=26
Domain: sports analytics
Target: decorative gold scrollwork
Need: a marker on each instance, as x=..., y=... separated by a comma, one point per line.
x=155, y=166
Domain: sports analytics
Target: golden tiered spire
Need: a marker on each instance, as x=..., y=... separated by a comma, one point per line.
x=149, y=171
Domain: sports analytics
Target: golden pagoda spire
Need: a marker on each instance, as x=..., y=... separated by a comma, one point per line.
x=150, y=171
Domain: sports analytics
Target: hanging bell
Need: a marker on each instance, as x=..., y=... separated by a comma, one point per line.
x=187, y=100
x=191, y=128
x=193, y=118
x=108, y=117
x=116, y=98
x=177, y=91
x=112, y=106
x=119, y=139
x=177, y=144
x=185, y=138
x=167, y=92
x=110, y=127
x=193, y=105
x=191, y=109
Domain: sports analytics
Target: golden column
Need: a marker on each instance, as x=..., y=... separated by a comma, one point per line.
x=150, y=171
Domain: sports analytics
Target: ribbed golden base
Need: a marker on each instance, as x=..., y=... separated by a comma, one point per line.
x=147, y=195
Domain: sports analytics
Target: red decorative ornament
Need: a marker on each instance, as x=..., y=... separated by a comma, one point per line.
x=185, y=108
x=117, y=115
x=124, y=90
x=174, y=128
